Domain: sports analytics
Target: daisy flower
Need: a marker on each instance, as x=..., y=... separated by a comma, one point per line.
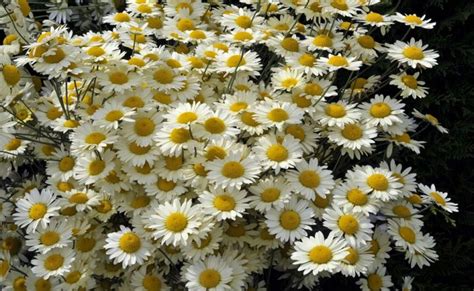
x=357, y=261
x=213, y=273
x=224, y=204
x=111, y=115
x=431, y=119
x=338, y=113
x=173, y=223
x=304, y=135
x=353, y=137
x=316, y=254
x=127, y=247
x=336, y=62
x=410, y=85
x=269, y=193
x=383, y=111
x=235, y=61
x=91, y=168
x=55, y=263
x=376, y=279
x=375, y=19
x=186, y=113
x=240, y=19
x=233, y=171
x=349, y=197
x=144, y=128
x=89, y=137
x=220, y=124
x=285, y=46
x=56, y=235
x=405, y=178
x=406, y=236
x=354, y=227
x=173, y=141
x=277, y=114
x=36, y=208
x=413, y=53
x=248, y=123
x=342, y=7
x=165, y=78
x=413, y=20
x=287, y=79
x=118, y=78
x=379, y=182
x=136, y=155
x=291, y=222
x=82, y=200
x=439, y=198
x=325, y=41
x=278, y=154
x=310, y=179
x=143, y=279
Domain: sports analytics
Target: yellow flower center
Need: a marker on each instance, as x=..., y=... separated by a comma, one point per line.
x=140, y=201
x=19, y=283
x=9, y=39
x=113, y=115
x=209, y=278
x=415, y=199
x=401, y=211
x=197, y=34
x=313, y=89
x=173, y=163
x=176, y=222
x=352, y=132
x=410, y=81
x=200, y=170
x=134, y=61
x=73, y=277
x=353, y=257
x=307, y=60
x=11, y=74
x=13, y=144
x=357, y=197
x=41, y=285
x=215, y=152
x=96, y=167
x=164, y=76
x=49, y=238
x=118, y=78
x=243, y=36
x=405, y=137
x=130, y=242
x=374, y=17
x=238, y=106
x=79, y=198
x=55, y=58
x=296, y=131
x=203, y=243
x=151, y=283
x=320, y=254
x=233, y=170
x=407, y=234
x=290, y=44
x=366, y=41
x=309, y=179
x=248, y=119
x=290, y=220
x=173, y=63
x=277, y=115
x=374, y=282
x=322, y=40
x=85, y=244
x=374, y=247
x=348, y=224
x=315, y=7
x=53, y=262
x=277, y=153
x=144, y=126
x=289, y=83
x=138, y=150
x=187, y=117
x=121, y=17
x=413, y=53
x=215, y=125
x=54, y=113
x=321, y=202
x=340, y=4
x=165, y=185
x=270, y=195
x=235, y=60
x=95, y=51
x=338, y=61
x=243, y=21
x=335, y=110
x=180, y=135
x=224, y=202
x=95, y=138
x=134, y=102
x=66, y=164
x=438, y=198
x=104, y=206
x=301, y=101
x=144, y=170
x=144, y=8
x=413, y=19
x=380, y=110
x=37, y=211
x=377, y=182
x=4, y=267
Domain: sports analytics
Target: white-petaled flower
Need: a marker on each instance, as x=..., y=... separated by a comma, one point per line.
x=173, y=223
x=304, y=134
x=173, y=141
x=164, y=77
x=406, y=236
x=431, y=119
x=291, y=222
x=424, y=258
x=317, y=254
x=414, y=20
x=36, y=208
x=91, y=168
x=379, y=182
x=218, y=125
x=144, y=279
x=405, y=177
x=118, y=78
x=233, y=61
x=56, y=262
x=336, y=62
x=285, y=45
x=338, y=113
x=342, y=7
x=136, y=155
x=273, y=192
x=383, y=111
x=213, y=273
x=233, y=171
x=354, y=227
x=186, y=113
x=287, y=79
x=271, y=113
x=365, y=46
x=56, y=235
x=349, y=197
x=198, y=250
x=307, y=63
x=127, y=247
x=82, y=200
x=88, y=137
x=325, y=40
x=354, y=138
x=277, y=154
x=413, y=53
x=357, y=261
x=111, y=115
x=409, y=84
x=376, y=279
x=310, y=179
x=375, y=19
x=144, y=128
x=224, y=203
x=439, y=198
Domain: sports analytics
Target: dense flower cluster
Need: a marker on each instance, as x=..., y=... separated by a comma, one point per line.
x=201, y=145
